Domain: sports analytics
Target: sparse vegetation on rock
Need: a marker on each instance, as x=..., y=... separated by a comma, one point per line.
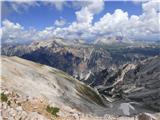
x=52, y=110
x=87, y=92
x=4, y=97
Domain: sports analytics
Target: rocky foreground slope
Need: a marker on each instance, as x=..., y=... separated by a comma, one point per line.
x=29, y=88
x=31, y=80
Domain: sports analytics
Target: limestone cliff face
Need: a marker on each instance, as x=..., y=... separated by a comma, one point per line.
x=135, y=82
x=143, y=83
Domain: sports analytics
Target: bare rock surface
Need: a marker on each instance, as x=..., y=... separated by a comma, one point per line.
x=30, y=87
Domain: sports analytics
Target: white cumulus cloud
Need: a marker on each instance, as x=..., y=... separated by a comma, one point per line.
x=141, y=27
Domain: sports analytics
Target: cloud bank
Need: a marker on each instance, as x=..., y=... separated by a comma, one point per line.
x=143, y=27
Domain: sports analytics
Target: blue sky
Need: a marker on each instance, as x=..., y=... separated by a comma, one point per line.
x=40, y=16
x=91, y=20
x=43, y=16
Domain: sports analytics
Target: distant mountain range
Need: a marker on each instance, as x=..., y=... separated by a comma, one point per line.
x=79, y=59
